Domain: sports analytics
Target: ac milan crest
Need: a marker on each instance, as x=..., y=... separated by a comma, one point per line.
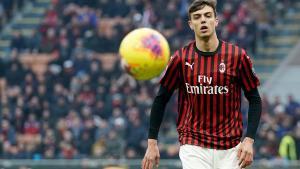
x=222, y=67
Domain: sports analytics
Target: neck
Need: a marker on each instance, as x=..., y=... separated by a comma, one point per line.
x=207, y=45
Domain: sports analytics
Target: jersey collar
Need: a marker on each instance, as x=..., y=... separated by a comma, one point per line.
x=201, y=53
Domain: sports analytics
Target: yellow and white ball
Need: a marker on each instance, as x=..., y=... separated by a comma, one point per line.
x=144, y=53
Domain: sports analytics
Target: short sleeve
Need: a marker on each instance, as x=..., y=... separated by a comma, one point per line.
x=248, y=77
x=170, y=77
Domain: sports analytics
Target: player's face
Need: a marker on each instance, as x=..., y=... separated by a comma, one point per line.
x=203, y=22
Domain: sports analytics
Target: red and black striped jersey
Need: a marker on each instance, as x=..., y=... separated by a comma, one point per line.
x=209, y=93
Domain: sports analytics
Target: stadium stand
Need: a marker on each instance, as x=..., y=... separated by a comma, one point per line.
x=66, y=96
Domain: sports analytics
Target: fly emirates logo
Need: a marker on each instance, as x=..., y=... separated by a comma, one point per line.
x=207, y=89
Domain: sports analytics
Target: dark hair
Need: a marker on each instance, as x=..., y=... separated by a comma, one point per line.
x=199, y=4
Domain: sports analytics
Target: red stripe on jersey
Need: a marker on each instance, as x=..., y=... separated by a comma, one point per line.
x=225, y=100
x=221, y=127
x=171, y=73
x=208, y=113
x=202, y=105
x=182, y=94
x=174, y=78
x=182, y=100
x=184, y=53
x=245, y=70
x=237, y=97
x=218, y=98
x=232, y=100
x=244, y=80
x=193, y=101
x=215, y=104
x=189, y=110
x=229, y=112
x=248, y=72
x=197, y=112
x=237, y=103
x=250, y=79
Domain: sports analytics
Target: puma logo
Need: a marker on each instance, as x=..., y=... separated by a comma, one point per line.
x=190, y=65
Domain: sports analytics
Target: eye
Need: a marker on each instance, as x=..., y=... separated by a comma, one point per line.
x=208, y=15
x=196, y=16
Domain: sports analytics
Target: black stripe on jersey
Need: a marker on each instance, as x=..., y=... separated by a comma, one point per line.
x=181, y=93
x=218, y=103
x=238, y=97
x=221, y=126
x=214, y=101
x=247, y=82
x=193, y=97
x=231, y=100
x=227, y=140
x=199, y=101
x=236, y=100
x=249, y=73
x=173, y=77
x=222, y=98
x=196, y=99
x=189, y=106
x=205, y=122
x=201, y=105
x=171, y=68
x=239, y=63
x=211, y=106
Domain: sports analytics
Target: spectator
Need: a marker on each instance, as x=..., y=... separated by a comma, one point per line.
x=18, y=41
x=7, y=133
x=292, y=105
x=2, y=80
x=113, y=146
x=287, y=148
x=49, y=42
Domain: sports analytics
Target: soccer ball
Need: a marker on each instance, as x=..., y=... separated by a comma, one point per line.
x=144, y=53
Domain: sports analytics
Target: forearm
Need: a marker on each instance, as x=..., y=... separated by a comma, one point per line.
x=254, y=112
x=157, y=111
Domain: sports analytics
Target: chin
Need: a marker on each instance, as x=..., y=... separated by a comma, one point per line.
x=204, y=36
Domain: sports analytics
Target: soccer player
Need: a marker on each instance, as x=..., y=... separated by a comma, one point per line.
x=209, y=74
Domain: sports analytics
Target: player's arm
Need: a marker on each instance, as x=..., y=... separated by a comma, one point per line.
x=156, y=116
x=254, y=112
x=157, y=111
x=245, y=152
x=169, y=82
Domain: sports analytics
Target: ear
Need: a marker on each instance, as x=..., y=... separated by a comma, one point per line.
x=217, y=22
x=191, y=25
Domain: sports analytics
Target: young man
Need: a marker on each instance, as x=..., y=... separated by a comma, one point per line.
x=209, y=75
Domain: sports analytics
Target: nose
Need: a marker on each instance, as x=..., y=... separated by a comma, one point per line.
x=202, y=20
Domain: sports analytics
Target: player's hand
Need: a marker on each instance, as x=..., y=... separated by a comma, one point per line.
x=151, y=156
x=245, y=152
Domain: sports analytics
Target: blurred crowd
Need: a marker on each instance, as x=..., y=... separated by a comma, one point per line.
x=8, y=8
x=80, y=109
x=99, y=25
